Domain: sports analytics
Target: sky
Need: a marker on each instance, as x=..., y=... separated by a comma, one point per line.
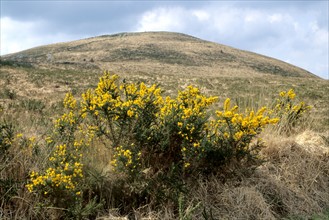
x=292, y=31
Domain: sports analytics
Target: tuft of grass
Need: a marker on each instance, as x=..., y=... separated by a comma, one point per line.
x=10, y=94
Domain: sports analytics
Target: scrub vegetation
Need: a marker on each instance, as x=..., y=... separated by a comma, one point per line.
x=78, y=144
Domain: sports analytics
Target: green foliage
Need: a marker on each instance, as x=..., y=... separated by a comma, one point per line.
x=33, y=105
x=6, y=136
x=159, y=142
x=231, y=137
x=14, y=63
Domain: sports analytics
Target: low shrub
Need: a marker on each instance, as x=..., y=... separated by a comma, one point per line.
x=157, y=144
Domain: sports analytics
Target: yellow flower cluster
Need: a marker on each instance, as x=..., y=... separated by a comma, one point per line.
x=88, y=134
x=65, y=169
x=189, y=113
x=290, y=94
x=300, y=108
x=67, y=118
x=285, y=104
x=190, y=102
x=69, y=101
x=126, y=154
x=289, y=110
x=63, y=174
x=119, y=101
x=236, y=125
x=126, y=157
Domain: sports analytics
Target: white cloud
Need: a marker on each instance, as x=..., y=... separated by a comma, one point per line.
x=16, y=36
x=320, y=35
x=201, y=15
x=252, y=16
x=275, y=18
x=169, y=19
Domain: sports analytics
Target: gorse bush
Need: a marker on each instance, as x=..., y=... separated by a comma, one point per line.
x=156, y=143
x=150, y=132
x=289, y=110
x=61, y=184
x=231, y=135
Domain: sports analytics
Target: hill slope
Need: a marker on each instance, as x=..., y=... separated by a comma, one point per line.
x=158, y=53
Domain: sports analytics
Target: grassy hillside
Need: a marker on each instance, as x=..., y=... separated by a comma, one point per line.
x=292, y=183
x=156, y=53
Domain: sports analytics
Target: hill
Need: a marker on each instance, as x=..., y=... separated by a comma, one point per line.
x=157, y=53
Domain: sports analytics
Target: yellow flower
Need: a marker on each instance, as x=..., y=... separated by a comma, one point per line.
x=32, y=139
x=66, y=166
x=69, y=101
x=291, y=94
x=187, y=113
x=254, y=123
x=130, y=113
x=227, y=104
x=228, y=114
x=219, y=113
x=238, y=135
x=274, y=120
x=261, y=111
x=244, y=123
x=196, y=144
x=49, y=140
x=96, y=113
x=235, y=119
x=19, y=135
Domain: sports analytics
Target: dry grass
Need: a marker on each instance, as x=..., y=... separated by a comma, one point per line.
x=303, y=172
